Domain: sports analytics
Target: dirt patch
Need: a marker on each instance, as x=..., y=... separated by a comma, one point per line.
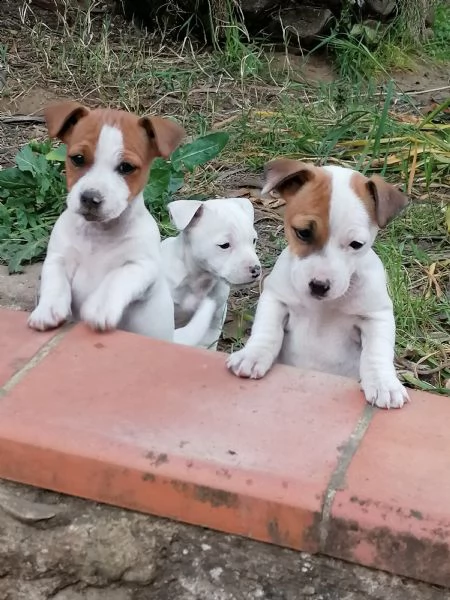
x=15, y=135
x=426, y=84
x=19, y=291
x=312, y=69
x=94, y=552
x=29, y=103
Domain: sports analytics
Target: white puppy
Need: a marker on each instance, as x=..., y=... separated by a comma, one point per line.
x=325, y=306
x=103, y=262
x=214, y=250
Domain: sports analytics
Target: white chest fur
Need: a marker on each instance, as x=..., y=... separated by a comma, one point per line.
x=322, y=340
x=92, y=252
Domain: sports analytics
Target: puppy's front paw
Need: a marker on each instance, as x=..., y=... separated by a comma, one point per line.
x=252, y=363
x=385, y=393
x=101, y=313
x=49, y=315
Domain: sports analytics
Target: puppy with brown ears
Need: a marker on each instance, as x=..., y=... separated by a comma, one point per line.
x=325, y=306
x=103, y=262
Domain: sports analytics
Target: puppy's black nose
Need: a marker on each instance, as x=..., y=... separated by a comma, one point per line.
x=255, y=270
x=319, y=289
x=90, y=199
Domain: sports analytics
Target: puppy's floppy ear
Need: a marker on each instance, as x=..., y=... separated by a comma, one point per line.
x=245, y=205
x=164, y=133
x=286, y=176
x=183, y=212
x=389, y=201
x=62, y=116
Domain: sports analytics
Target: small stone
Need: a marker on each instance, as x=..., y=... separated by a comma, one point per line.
x=382, y=7
x=216, y=573
x=309, y=590
x=142, y=575
x=25, y=511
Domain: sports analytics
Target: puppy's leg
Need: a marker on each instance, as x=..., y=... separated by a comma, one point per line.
x=220, y=293
x=379, y=380
x=55, y=295
x=265, y=341
x=153, y=316
x=105, y=307
x=211, y=339
x=194, y=332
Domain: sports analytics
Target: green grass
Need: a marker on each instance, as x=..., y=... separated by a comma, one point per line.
x=438, y=47
x=363, y=50
x=267, y=111
x=414, y=250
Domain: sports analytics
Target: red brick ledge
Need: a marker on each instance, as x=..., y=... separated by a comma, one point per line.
x=297, y=459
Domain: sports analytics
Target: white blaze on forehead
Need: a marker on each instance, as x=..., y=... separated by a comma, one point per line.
x=109, y=148
x=235, y=219
x=347, y=211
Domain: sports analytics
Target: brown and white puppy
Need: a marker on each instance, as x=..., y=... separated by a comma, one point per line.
x=103, y=262
x=325, y=306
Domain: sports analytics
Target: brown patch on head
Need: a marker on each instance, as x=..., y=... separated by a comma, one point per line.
x=61, y=118
x=307, y=192
x=143, y=140
x=382, y=200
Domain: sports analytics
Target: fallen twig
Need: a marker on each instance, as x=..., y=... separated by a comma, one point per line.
x=22, y=119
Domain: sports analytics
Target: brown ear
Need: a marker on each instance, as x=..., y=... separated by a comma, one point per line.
x=61, y=117
x=167, y=134
x=286, y=176
x=389, y=201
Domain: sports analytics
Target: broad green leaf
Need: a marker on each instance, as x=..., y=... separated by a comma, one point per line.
x=357, y=29
x=42, y=167
x=14, y=179
x=372, y=34
x=199, y=151
x=157, y=187
x=26, y=160
x=176, y=182
x=57, y=154
x=20, y=253
x=46, y=184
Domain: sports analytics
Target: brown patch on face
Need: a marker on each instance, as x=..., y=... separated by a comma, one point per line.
x=82, y=142
x=139, y=149
x=382, y=200
x=307, y=192
x=143, y=140
x=308, y=214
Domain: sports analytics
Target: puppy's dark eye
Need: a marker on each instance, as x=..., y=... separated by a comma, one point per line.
x=224, y=246
x=305, y=235
x=77, y=160
x=356, y=245
x=125, y=168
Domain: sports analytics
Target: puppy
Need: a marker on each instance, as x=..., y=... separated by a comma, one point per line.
x=325, y=306
x=214, y=250
x=103, y=262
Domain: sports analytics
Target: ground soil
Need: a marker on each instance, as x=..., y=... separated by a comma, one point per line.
x=67, y=549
